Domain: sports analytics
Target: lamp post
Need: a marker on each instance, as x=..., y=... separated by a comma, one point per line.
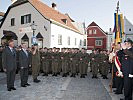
x=33, y=27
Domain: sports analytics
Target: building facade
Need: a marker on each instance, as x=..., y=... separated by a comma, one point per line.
x=96, y=37
x=128, y=28
x=52, y=28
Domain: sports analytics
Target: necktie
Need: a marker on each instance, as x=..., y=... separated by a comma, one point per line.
x=13, y=52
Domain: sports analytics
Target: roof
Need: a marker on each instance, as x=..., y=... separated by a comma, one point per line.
x=47, y=12
x=94, y=24
x=2, y=13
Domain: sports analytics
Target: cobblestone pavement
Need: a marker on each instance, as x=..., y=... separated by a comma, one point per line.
x=57, y=88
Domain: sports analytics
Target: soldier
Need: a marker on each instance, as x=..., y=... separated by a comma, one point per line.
x=105, y=64
x=45, y=63
x=54, y=62
x=73, y=63
x=87, y=61
x=41, y=50
x=64, y=58
x=77, y=52
x=100, y=63
x=50, y=60
x=94, y=60
x=83, y=63
x=59, y=61
x=35, y=63
x=91, y=54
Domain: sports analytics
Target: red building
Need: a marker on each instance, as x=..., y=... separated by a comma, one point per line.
x=96, y=37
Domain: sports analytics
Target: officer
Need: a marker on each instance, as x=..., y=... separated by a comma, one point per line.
x=127, y=69
x=35, y=63
x=118, y=79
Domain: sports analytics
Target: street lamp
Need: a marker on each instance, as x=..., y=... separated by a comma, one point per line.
x=33, y=27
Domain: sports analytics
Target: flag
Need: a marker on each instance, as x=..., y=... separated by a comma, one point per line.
x=118, y=27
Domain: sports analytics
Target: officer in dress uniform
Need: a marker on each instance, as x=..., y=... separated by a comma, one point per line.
x=118, y=79
x=127, y=69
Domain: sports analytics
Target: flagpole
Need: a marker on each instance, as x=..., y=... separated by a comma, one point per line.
x=112, y=76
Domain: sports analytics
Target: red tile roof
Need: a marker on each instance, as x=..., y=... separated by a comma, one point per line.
x=52, y=14
x=93, y=24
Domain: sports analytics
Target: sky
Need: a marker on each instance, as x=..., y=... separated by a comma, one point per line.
x=100, y=11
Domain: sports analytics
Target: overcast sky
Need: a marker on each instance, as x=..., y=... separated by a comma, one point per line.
x=100, y=11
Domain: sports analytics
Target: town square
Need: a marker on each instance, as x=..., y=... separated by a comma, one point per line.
x=66, y=50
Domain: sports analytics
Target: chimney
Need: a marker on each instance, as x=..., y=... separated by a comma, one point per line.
x=54, y=6
x=13, y=1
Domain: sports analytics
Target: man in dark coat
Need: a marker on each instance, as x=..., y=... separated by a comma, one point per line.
x=9, y=64
x=127, y=68
x=24, y=63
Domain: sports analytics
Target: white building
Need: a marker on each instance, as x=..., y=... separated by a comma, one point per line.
x=53, y=29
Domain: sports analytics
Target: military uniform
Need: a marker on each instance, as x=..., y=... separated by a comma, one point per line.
x=105, y=66
x=45, y=63
x=54, y=63
x=94, y=59
x=73, y=64
x=65, y=64
x=35, y=65
x=83, y=64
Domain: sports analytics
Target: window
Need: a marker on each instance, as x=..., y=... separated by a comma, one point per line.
x=94, y=31
x=26, y=19
x=84, y=42
x=12, y=21
x=98, y=42
x=130, y=29
x=90, y=31
x=75, y=41
x=69, y=40
x=64, y=20
x=80, y=42
x=59, y=39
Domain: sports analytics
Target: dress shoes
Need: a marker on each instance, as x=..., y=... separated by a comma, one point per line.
x=27, y=84
x=13, y=88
